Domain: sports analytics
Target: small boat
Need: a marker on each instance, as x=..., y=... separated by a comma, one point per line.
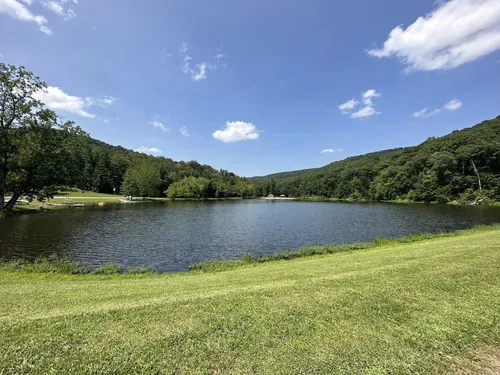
x=79, y=205
x=100, y=204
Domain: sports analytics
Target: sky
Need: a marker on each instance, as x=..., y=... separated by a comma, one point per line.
x=258, y=87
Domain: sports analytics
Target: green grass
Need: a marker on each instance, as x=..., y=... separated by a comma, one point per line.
x=425, y=307
x=86, y=194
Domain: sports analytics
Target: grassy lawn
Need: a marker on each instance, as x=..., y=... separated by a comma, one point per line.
x=429, y=307
x=79, y=195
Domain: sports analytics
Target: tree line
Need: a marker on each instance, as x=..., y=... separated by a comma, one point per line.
x=463, y=166
x=39, y=154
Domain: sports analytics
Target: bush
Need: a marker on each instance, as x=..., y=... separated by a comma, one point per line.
x=247, y=258
x=50, y=264
x=108, y=269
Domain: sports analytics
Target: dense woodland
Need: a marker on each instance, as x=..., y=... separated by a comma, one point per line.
x=39, y=155
x=462, y=166
x=104, y=167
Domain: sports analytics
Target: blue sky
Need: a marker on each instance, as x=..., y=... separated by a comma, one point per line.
x=257, y=87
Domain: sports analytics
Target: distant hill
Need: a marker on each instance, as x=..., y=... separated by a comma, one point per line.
x=463, y=165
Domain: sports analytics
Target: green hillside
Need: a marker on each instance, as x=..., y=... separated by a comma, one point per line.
x=463, y=165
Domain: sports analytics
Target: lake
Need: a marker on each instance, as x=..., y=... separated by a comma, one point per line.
x=169, y=236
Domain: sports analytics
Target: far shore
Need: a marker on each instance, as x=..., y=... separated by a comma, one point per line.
x=279, y=198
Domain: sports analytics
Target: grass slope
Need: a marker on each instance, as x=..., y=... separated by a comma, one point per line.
x=419, y=308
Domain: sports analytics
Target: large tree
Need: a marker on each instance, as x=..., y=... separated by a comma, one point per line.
x=43, y=158
x=17, y=107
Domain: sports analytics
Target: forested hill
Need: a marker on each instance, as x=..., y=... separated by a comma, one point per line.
x=104, y=167
x=463, y=165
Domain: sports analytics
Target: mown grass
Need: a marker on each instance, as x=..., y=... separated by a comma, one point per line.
x=417, y=308
x=86, y=194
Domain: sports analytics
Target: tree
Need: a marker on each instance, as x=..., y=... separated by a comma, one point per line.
x=17, y=105
x=43, y=158
x=189, y=187
x=143, y=180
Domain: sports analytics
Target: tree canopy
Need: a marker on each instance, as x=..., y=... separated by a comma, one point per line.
x=463, y=166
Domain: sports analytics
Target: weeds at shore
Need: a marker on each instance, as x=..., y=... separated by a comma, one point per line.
x=219, y=264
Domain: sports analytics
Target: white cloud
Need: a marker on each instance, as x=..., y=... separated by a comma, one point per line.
x=424, y=113
x=330, y=150
x=46, y=30
x=184, y=131
x=57, y=6
x=368, y=95
x=148, y=150
x=237, y=131
x=103, y=102
x=54, y=6
x=348, y=106
x=18, y=11
x=365, y=112
x=158, y=124
x=198, y=71
x=452, y=105
x=455, y=33
x=57, y=100
x=107, y=100
x=421, y=113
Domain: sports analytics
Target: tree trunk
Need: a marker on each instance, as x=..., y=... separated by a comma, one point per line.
x=10, y=204
x=477, y=174
x=3, y=177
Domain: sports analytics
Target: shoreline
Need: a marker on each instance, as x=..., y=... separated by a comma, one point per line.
x=47, y=207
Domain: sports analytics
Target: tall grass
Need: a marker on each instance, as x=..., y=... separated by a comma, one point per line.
x=51, y=264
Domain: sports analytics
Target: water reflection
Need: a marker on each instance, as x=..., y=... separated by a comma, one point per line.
x=170, y=236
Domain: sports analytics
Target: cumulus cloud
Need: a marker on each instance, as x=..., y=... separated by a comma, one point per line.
x=368, y=95
x=148, y=150
x=57, y=100
x=456, y=32
x=184, y=131
x=237, y=131
x=330, y=150
x=367, y=99
x=20, y=12
x=348, y=106
x=452, y=105
x=365, y=112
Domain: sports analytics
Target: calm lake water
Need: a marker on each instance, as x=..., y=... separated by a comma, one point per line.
x=170, y=236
